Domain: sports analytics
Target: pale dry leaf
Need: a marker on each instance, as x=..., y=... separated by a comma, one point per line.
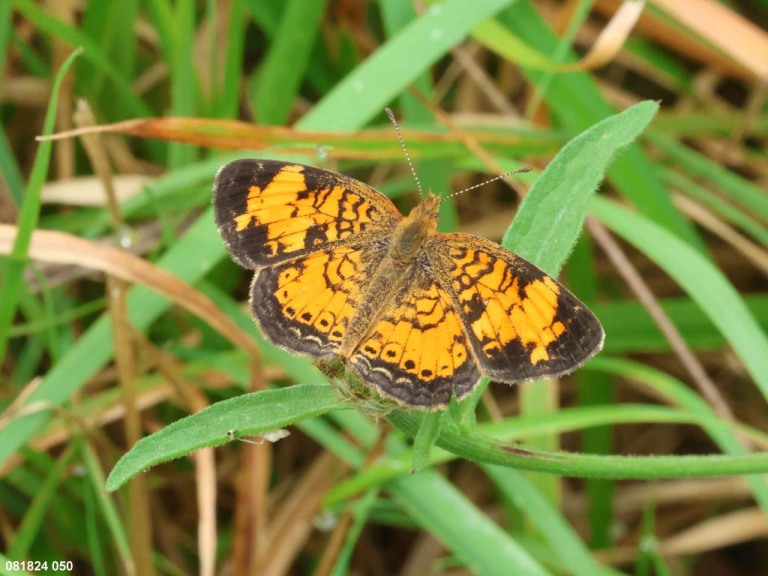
x=723, y=28
x=89, y=190
x=613, y=36
x=717, y=532
x=62, y=248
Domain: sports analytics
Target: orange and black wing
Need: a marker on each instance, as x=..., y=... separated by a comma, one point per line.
x=313, y=236
x=417, y=352
x=270, y=211
x=305, y=305
x=520, y=322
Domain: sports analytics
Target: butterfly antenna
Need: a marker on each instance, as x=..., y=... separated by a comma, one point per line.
x=499, y=177
x=405, y=150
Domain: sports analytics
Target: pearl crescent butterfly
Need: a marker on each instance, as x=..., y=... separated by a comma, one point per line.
x=417, y=314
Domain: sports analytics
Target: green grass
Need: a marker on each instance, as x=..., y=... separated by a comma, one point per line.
x=485, y=478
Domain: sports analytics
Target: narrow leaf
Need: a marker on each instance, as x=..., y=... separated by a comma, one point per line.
x=246, y=415
x=551, y=216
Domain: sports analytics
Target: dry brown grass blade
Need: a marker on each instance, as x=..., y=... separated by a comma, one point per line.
x=66, y=12
x=89, y=190
x=668, y=33
x=253, y=480
x=636, y=497
x=249, y=534
x=335, y=544
x=605, y=48
x=29, y=91
x=97, y=155
x=139, y=517
x=466, y=61
x=635, y=281
x=719, y=532
x=233, y=135
x=344, y=523
x=470, y=142
x=723, y=28
x=750, y=250
x=60, y=431
x=59, y=247
x=293, y=523
x=204, y=459
x=205, y=483
x=731, y=44
x=612, y=38
x=752, y=111
x=19, y=406
x=198, y=131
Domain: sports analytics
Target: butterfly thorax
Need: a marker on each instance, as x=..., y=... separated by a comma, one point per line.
x=412, y=232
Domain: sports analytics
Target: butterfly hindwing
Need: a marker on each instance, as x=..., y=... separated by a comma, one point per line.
x=305, y=305
x=416, y=351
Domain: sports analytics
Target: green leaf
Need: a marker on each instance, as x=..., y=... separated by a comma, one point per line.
x=482, y=545
x=393, y=66
x=552, y=214
x=286, y=61
x=246, y=415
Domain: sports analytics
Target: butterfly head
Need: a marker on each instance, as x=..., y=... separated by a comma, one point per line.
x=425, y=214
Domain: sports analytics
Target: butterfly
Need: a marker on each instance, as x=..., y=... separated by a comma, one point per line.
x=416, y=314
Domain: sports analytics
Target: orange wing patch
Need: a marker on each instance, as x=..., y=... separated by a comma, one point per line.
x=534, y=318
x=523, y=324
x=305, y=305
x=294, y=224
x=270, y=211
x=416, y=351
x=502, y=309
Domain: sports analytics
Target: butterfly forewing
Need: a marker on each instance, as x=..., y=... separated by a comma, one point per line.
x=270, y=211
x=521, y=322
